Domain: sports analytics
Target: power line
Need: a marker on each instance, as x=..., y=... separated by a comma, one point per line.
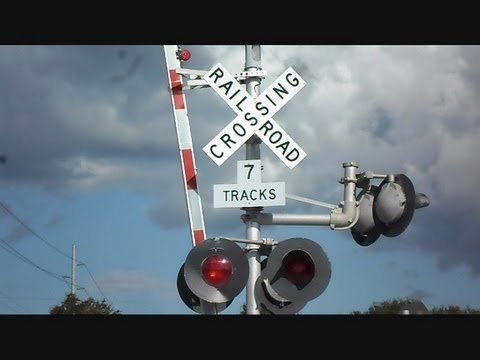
x=7, y=247
x=11, y=308
x=96, y=284
x=33, y=232
x=5, y=296
x=88, y=294
x=49, y=244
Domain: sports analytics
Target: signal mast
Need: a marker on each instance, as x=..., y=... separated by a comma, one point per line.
x=292, y=271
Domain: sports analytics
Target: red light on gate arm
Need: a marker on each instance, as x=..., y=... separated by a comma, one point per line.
x=217, y=270
x=298, y=267
x=184, y=55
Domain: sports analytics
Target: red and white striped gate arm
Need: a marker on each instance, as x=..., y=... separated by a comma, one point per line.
x=185, y=144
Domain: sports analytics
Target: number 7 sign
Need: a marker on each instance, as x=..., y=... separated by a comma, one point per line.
x=249, y=191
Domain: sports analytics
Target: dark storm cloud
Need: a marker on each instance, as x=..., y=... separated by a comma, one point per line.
x=451, y=233
x=382, y=124
x=131, y=69
x=58, y=105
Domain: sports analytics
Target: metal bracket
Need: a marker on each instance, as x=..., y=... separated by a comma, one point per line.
x=194, y=78
x=264, y=241
x=363, y=179
x=344, y=180
x=338, y=210
x=244, y=75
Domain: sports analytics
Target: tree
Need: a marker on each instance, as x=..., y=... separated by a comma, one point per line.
x=393, y=306
x=454, y=309
x=72, y=305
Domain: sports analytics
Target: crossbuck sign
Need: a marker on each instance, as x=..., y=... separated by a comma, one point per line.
x=254, y=116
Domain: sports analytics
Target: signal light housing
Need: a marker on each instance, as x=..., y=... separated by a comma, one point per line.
x=394, y=206
x=183, y=55
x=216, y=270
x=386, y=209
x=297, y=271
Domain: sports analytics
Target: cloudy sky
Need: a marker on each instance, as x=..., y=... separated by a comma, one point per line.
x=93, y=161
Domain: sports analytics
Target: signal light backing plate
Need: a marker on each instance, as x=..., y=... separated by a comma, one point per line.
x=365, y=232
x=193, y=270
x=193, y=301
x=270, y=304
x=282, y=286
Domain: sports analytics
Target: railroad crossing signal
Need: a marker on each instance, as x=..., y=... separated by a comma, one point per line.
x=297, y=270
x=254, y=116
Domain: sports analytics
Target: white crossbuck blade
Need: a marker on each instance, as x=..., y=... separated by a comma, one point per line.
x=254, y=116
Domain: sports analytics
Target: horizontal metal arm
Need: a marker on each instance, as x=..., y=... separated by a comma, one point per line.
x=292, y=219
x=310, y=201
x=264, y=241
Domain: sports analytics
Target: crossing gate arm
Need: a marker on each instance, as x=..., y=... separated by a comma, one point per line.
x=185, y=144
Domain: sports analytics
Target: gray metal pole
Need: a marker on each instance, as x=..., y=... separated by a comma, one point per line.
x=252, y=62
x=74, y=265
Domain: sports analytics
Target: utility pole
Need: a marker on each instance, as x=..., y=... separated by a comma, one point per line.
x=74, y=265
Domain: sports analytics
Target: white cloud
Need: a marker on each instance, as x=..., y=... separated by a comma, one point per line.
x=130, y=281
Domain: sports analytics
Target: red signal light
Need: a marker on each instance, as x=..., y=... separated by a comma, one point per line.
x=217, y=270
x=184, y=55
x=298, y=268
